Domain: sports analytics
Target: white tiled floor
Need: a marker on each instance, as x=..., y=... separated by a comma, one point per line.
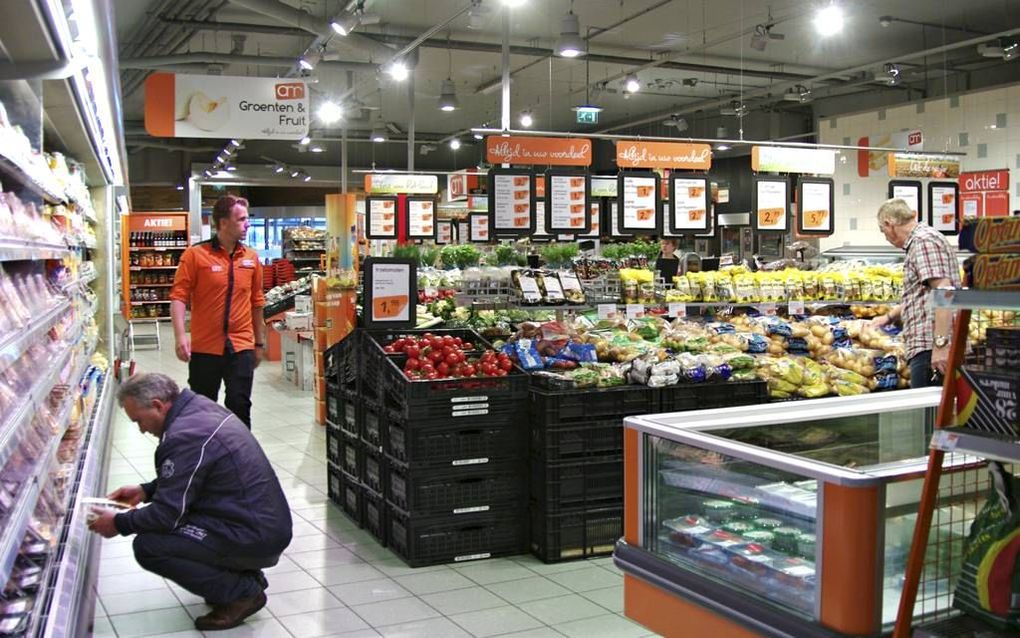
x=335, y=579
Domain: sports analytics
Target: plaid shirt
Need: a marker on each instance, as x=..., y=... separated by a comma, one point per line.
x=929, y=256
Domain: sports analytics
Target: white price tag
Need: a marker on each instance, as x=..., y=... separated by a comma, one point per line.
x=677, y=310
x=767, y=309
x=431, y=291
x=606, y=310
x=944, y=440
x=796, y=307
x=635, y=310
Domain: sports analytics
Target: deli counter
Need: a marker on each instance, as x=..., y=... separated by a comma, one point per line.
x=788, y=519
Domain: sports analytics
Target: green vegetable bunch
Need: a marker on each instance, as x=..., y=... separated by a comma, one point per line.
x=558, y=255
x=505, y=255
x=461, y=257
x=428, y=255
x=407, y=251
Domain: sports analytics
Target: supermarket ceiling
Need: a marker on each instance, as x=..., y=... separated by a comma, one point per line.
x=709, y=63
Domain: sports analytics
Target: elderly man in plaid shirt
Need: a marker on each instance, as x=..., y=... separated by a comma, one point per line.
x=930, y=263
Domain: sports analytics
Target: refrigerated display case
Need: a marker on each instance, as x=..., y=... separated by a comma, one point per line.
x=790, y=519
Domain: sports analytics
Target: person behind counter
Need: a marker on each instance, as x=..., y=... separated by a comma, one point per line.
x=667, y=263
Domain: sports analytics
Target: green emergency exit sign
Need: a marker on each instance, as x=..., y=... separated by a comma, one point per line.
x=587, y=117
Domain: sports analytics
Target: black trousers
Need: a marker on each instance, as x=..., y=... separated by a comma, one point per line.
x=237, y=372
x=216, y=576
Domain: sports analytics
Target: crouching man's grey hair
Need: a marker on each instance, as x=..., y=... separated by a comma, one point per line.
x=148, y=387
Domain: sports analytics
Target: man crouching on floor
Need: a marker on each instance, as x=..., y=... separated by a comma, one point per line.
x=216, y=515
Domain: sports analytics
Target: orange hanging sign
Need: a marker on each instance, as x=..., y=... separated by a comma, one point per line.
x=635, y=154
x=544, y=151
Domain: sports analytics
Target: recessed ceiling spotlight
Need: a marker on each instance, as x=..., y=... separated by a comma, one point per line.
x=829, y=20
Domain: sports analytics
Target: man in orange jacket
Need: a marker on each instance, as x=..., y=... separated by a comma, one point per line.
x=221, y=279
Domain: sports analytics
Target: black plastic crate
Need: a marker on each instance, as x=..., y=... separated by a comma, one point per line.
x=679, y=398
x=376, y=515
x=334, y=399
x=434, y=540
x=334, y=443
x=443, y=398
x=447, y=442
x=348, y=411
x=551, y=406
x=341, y=362
x=375, y=471
x=730, y=394
x=457, y=490
x=352, y=456
x=575, y=534
x=373, y=425
x=347, y=493
x=594, y=482
x=555, y=442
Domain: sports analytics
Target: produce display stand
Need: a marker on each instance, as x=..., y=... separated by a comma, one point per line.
x=960, y=440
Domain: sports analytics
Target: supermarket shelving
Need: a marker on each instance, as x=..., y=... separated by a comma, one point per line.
x=17, y=342
x=12, y=249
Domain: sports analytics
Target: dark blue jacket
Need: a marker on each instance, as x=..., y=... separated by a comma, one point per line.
x=214, y=483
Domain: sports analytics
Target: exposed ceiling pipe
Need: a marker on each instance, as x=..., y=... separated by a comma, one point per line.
x=780, y=88
x=173, y=147
x=295, y=17
x=236, y=27
x=156, y=62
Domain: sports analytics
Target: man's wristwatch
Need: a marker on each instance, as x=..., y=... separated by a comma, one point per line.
x=941, y=341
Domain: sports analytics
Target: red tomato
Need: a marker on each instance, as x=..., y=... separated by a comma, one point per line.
x=432, y=376
x=506, y=364
x=413, y=352
x=443, y=369
x=424, y=343
x=412, y=364
x=389, y=349
x=452, y=358
x=468, y=370
x=448, y=340
x=458, y=341
x=467, y=345
x=436, y=356
x=426, y=368
x=427, y=335
x=501, y=373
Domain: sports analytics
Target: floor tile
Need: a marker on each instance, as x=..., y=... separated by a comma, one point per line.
x=521, y=591
x=187, y=633
x=323, y=623
x=201, y=609
x=541, y=632
x=118, y=566
x=324, y=557
x=299, y=602
x=143, y=581
x=132, y=602
x=431, y=628
x=459, y=601
x=587, y=579
x=343, y=574
x=102, y=628
x=432, y=582
x=266, y=628
x=150, y=623
x=370, y=591
x=611, y=598
x=552, y=611
x=310, y=544
x=544, y=569
x=610, y=626
x=393, y=612
x=291, y=581
x=498, y=570
x=492, y=622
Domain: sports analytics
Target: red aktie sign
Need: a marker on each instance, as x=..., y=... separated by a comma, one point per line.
x=985, y=193
x=984, y=181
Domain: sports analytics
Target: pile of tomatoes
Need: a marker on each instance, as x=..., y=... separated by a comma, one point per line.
x=433, y=357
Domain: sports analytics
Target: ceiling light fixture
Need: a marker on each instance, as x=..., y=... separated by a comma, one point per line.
x=306, y=178
x=398, y=71
x=279, y=168
x=454, y=144
x=798, y=93
x=677, y=122
x=570, y=43
x=631, y=84
x=346, y=23
x=479, y=136
x=317, y=149
x=892, y=74
x=231, y=168
x=476, y=15
x=294, y=172
x=305, y=140
x=180, y=187
x=330, y=112
x=722, y=147
x=448, y=96
x=829, y=20
x=306, y=63
x=379, y=133
x=235, y=143
x=526, y=119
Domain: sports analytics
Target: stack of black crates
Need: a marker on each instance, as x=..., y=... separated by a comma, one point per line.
x=431, y=468
x=576, y=442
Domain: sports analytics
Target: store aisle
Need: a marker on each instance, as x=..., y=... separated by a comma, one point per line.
x=335, y=579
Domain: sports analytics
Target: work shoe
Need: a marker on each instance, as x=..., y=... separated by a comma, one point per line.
x=230, y=615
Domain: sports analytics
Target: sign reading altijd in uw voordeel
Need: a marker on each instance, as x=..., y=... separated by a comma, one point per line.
x=544, y=151
x=181, y=105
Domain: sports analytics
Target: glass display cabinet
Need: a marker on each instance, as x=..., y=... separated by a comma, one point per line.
x=788, y=519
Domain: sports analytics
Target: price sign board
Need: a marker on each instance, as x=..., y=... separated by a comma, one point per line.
x=567, y=207
x=421, y=218
x=770, y=206
x=690, y=202
x=815, y=206
x=390, y=290
x=910, y=192
x=511, y=202
x=444, y=232
x=479, y=227
x=382, y=217
x=639, y=203
x=943, y=207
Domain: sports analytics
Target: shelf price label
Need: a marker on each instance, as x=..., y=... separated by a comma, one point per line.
x=677, y=309
x=606, y=310
x=767, y=309
x=635, y=311
x=796, y=307
x=944, y=440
